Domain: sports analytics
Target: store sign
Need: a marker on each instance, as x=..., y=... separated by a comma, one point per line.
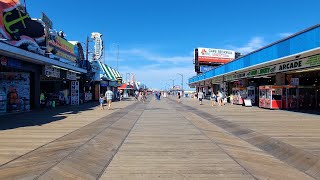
x=62, y=48
x=74, y=92
x=46, y=20
x=51, y=71
x=283, y=67
x=71, y=75
x=208, y=55
x=206, y=68
x=119, y=80
x=294, y=81
x=98, y=45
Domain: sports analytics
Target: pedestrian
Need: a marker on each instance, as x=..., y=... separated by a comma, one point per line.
x=219, y=98
x=101, y=100
x=231, y=99
x=136, y=95
x=200, y=97
x=213, y=99
x=109, y=96
x=179, y=97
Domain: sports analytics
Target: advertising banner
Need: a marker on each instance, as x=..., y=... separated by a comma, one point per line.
x=62, y=48
x=74, y=92
x=14, y=91
x=219, y=56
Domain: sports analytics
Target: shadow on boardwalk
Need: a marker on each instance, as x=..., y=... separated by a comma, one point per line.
x=40, y=117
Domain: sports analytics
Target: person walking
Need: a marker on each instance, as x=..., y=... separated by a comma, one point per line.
x=200, y=97
x=219, y=98
x=213, y=99
x=101, y=100
x=231, y=99
x=109, y=96
x=179, y=97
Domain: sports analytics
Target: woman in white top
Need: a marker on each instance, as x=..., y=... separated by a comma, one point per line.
x=213, y=99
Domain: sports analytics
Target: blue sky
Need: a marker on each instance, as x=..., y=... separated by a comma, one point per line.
x=156, y=38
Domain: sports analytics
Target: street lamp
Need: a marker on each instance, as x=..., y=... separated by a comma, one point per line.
x=172, y=83
x=181, y=80
x=112, y=47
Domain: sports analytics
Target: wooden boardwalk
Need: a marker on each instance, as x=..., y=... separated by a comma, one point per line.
x=162, y=140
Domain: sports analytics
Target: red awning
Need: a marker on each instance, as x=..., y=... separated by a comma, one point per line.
x=125, y=86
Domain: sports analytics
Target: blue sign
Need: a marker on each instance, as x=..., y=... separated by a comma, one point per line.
x=206, y=68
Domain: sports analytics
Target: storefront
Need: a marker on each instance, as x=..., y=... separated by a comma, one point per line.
x=17, y=85
x=104, y=77
x=290, y=67
x=59, y=86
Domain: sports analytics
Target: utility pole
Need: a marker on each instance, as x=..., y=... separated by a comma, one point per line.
x=87, y=49
x=172, y=83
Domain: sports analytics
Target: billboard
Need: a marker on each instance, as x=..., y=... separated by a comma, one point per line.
x=62, y=48
x=216, y=56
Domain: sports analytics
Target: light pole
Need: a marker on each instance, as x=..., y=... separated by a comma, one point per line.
x=181, y=80
x=112, y=47
x=172, y=83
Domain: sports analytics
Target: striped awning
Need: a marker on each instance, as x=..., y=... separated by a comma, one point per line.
x=111, y=74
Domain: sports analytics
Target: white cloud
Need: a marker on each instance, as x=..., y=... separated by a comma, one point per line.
x=155, y=69
x=147, y=56
x=254, y=44
x=157, y=76
x=284, y=35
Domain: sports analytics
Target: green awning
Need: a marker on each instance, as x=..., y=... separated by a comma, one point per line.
x=111, y=73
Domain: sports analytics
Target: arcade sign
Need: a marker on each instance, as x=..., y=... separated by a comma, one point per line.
x=282, y=67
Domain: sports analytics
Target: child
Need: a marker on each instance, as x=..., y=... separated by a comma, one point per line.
x=101, y=100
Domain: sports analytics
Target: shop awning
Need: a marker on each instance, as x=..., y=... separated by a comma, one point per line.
x=110, y=73
x=125, y=86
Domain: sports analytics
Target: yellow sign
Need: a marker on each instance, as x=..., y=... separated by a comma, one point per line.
x=63, y=48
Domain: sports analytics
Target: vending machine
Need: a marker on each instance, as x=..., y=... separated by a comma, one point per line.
x=251, y=94
x=262, y=96
x=273, y=98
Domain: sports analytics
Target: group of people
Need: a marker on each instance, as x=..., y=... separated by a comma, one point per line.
x=219, y=97
x=140, y=96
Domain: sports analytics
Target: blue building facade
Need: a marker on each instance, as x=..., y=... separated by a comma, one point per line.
x=297, y=57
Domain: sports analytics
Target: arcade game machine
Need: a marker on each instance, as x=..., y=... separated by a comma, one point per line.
x=251, y=94
x=262, y=96
x=273, y=97
x=290, y=97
